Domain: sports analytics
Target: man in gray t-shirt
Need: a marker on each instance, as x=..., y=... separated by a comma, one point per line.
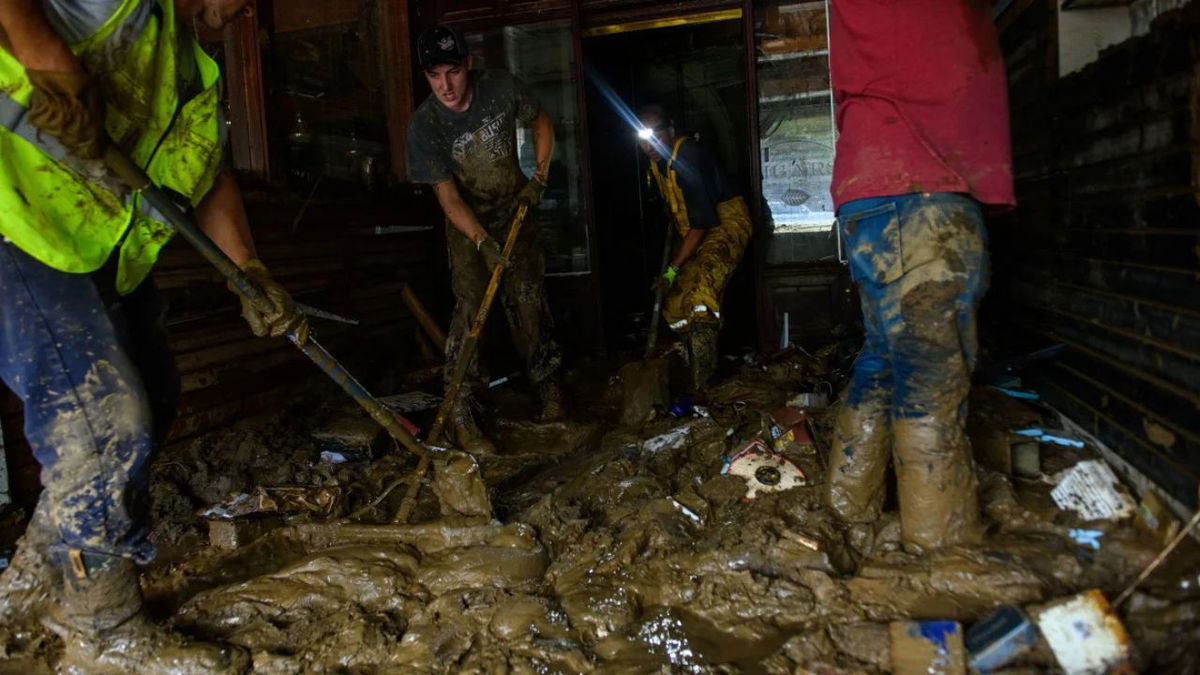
x=462, y=140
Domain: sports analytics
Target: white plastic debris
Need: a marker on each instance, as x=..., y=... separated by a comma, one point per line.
x=1091, y=489
x=763, y=470
x=1085, y=634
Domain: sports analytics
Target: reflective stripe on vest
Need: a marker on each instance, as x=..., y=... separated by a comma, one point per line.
x=668, y=187
x=69, y=213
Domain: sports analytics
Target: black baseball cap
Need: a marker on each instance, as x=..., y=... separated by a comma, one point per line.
x=439, y=45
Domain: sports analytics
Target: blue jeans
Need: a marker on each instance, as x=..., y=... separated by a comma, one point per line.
x=921, y=266
x=75, y=354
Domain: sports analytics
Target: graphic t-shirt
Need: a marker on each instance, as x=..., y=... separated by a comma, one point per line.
x=477, y=148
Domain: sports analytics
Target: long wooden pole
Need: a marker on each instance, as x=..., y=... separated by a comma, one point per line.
x=460, y=368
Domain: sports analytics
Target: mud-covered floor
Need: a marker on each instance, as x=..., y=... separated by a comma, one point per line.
x=613, y=549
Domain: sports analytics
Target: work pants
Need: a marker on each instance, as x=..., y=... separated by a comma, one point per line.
x=696, y=294
x=522, y=293
x=99, y=389
x=921, y=266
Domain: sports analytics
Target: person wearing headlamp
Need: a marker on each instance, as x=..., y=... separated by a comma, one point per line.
x=714, y=227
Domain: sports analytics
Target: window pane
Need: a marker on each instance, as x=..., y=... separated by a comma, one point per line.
x=327, y=100
x=796, y=130
x=542, y=57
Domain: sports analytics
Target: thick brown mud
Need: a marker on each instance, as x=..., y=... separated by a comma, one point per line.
x=615, y=549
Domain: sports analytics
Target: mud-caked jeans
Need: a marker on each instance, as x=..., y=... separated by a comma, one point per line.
x=920, y=262
x=99, y=387
x=522, y=293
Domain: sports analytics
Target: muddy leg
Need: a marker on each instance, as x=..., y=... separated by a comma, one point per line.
x=933, y=346
x=523, y=295
x=468, y=278
x=862, y=443
x=108, y=632
x=86, y=415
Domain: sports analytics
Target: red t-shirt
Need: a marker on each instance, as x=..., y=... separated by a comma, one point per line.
x=922, y=100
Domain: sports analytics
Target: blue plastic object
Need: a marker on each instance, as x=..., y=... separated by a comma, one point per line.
x=682, y=407
x=999, y=638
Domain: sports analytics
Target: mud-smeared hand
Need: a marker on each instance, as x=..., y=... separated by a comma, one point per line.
x=68, y=106
x=276, y=314
x=492, y=254
x=531, y=194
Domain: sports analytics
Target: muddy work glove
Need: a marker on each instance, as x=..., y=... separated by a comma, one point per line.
x=68, y=106
x=531, y=194
x=492, y=254
x=664, y=282
x=274, y=315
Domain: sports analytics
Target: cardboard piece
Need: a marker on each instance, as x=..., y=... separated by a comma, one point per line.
x=927, y=648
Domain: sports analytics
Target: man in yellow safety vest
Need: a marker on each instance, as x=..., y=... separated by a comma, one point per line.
x=81, y=340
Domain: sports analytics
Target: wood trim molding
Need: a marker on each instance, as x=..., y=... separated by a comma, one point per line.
x=397, y=80
x=247, y=101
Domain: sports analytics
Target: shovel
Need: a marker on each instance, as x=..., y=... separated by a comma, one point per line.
x=645, y=381
x=460, y=367
x=131, y=175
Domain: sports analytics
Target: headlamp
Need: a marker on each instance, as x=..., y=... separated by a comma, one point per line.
x=645, y=133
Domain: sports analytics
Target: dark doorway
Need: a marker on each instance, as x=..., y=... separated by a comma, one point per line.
x=698, y=72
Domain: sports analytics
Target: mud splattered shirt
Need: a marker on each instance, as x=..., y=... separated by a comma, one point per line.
x=922, y=100
x=477, y=148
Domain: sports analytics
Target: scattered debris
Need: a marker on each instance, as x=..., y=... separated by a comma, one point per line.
x=764, y=471
x=1055, y=437
x=1092, y=490
x=1085, y=634
x=1000, y=638
x=316, y=500
x=1018, y=393
x=1088, y=538
x=927, y=648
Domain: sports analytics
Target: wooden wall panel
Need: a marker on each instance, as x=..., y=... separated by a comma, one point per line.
x=1103, y=252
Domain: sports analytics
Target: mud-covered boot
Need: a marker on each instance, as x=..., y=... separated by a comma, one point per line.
x=108, y=631
x=550, y=395
x=31, y=588
x=702, y=343
x=466, y=433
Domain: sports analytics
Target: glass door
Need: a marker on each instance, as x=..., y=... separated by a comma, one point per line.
x=796, y=131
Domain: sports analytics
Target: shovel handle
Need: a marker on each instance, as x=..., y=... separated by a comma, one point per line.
x=136, y=179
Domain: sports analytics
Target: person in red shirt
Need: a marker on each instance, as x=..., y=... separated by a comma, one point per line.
x=923, y=150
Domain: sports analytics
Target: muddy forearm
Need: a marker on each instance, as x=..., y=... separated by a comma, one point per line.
x=222, y=216
x=688, y=247
x=458, y=213
x=29, y=37
x=543, y=145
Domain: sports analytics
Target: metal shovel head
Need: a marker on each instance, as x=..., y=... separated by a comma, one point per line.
x=644, y=386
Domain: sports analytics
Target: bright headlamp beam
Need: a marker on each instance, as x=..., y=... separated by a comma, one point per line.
x=645, y=133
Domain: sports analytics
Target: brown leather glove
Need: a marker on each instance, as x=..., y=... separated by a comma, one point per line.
x=68, y=106
x=531, y=194
x=278, y=314
x=492, y=253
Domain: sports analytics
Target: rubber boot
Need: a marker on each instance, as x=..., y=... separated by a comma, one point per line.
x=550, y=394
x=31, y=589
x=935, y=476
x=109, y=632
x=702, y=343
x=466, y=433
x=856, y=478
